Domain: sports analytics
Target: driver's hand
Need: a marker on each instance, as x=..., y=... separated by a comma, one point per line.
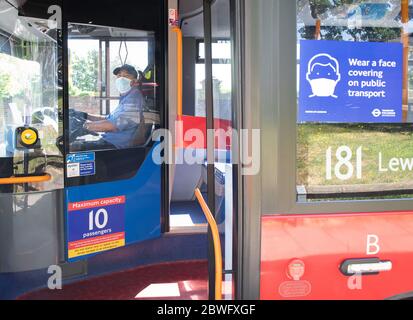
x=86, y=126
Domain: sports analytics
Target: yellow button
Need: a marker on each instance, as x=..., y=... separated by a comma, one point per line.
x=29, y=137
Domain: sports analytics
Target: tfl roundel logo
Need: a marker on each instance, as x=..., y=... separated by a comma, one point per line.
x=376, y=113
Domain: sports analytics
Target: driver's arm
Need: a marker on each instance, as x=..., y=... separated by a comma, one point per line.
x=101, y=126
x=94, y=117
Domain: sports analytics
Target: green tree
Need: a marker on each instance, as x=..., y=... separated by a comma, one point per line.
x=84, y=73
x=324, y=8
x=4, y=82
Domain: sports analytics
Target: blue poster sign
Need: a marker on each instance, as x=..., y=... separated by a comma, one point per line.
x=350, y=82
x=96, y=226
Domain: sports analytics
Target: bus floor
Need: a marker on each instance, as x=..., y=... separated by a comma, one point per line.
x=185, y=280
x=173, y=249
x=186, y=214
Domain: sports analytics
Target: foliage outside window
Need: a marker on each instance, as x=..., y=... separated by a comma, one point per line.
x=84, y=74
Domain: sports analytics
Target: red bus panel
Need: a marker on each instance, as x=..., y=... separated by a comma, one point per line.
x=302, y=255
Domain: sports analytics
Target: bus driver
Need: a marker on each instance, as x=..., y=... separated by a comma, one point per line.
x=120, y=126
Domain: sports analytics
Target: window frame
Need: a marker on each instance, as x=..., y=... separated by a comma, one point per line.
x=278, y=52
x=159, y=36
x=198, y=58
x=104, y=78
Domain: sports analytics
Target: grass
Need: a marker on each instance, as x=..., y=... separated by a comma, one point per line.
x=390, y=140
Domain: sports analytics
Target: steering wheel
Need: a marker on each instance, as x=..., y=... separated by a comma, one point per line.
x=77, y=120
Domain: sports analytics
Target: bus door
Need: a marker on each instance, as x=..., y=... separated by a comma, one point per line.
x=114, y=102
x=336, y=171
x=209, y=89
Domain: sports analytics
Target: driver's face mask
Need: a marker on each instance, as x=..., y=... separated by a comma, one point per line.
x=123, y=85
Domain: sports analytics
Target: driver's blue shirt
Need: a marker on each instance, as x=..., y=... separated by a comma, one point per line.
x=126, y=118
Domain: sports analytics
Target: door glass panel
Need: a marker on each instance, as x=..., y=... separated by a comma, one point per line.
x=113, y=88
x=30, y=102
x=355, y=119
x=222, y=79
x=223, y=114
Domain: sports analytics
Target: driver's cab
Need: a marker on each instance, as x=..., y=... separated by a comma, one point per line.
x=94, y=53
x=52, y=78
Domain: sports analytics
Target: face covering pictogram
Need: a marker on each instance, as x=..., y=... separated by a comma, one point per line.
x=323, y=75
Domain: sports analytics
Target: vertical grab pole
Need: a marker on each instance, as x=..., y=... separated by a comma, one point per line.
x=179, y=75
x=209, y=101
x=317, y=35
x=405, y=41
x=217, y=244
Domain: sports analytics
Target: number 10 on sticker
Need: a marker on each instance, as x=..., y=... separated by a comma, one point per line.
x=98, y=220
x=344, y=164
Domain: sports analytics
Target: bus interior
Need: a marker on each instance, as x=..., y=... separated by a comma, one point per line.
x=51, y=81
x=111, y=179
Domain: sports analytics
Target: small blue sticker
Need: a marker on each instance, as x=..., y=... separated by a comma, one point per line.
x=81, y=157
x=87, y=169
x=80, y=165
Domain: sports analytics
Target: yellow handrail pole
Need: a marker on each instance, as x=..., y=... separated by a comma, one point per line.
x=317, y=29
x=405, y=41
x=29, y=179
x=179, y=77
x=217, y=244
